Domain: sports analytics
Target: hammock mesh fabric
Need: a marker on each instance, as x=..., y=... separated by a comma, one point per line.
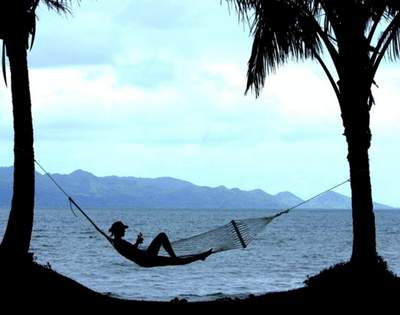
x=235, y=234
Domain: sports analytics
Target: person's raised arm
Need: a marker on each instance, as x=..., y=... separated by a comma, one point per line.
x=139, y=240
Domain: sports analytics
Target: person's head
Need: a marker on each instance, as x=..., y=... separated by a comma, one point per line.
x=117, y=229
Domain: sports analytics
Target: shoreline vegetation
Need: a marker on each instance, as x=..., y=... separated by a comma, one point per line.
x=26, y=284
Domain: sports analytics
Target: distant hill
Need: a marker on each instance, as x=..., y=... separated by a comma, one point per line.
x=91, y=191
x=334, y=200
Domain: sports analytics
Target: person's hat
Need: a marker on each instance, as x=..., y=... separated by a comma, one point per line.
x=117, y=226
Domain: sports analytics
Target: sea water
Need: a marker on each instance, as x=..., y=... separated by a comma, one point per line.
x=291, y=248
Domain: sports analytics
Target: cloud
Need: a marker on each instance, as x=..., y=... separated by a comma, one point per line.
x=156, y=88
x=87, y=37
x=154, y=14
x=147, y=73
x=385, y=114
x=204, y=106
x=98, y=32
x=104, y=33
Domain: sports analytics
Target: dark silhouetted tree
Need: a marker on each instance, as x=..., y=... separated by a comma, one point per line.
x=17, y=31
x=356, y=35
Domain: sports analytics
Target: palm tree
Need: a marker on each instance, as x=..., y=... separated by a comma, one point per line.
x=17, y=30
x=347, y=31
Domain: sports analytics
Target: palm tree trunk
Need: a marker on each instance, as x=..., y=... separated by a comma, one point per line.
x=355, y=90
x=356, y=119
x=17, y=236
x=364, y=238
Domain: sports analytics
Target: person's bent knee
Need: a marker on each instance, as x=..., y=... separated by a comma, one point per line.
x=163, y=235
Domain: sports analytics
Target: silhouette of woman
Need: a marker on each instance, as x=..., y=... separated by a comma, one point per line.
x=149, y=257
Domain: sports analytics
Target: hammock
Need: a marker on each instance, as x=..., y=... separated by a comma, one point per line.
x=233, y=235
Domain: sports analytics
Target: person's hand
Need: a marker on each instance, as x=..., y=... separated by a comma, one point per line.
x=139, y=239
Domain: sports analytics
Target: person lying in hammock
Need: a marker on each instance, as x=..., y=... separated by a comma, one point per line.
x=149, y=257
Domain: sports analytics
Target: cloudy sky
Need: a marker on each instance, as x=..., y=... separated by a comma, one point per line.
x=155, y=88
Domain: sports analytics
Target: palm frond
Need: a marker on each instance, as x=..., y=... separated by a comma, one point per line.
x=388, y=44
x=297, y=29
x=393, y=15
x=394, y=47
x=3, y=62
x=243, y=7
x=60, y=6
x=33, y=32
x=25, y=13
x=282, y=30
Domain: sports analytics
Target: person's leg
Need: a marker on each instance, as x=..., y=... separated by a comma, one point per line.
x=161, y=240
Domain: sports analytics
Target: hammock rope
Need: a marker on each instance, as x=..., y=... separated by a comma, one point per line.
x=72, y=202
x=233, y=235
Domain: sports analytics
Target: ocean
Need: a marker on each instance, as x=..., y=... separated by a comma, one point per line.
x=291, y=248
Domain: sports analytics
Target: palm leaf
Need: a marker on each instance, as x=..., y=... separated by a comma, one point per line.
x=14, y=12
x=61, y=6
x=282, y=30
x=296, y=29
x=3, y=62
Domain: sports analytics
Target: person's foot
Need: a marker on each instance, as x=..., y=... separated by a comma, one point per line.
x=206, y=254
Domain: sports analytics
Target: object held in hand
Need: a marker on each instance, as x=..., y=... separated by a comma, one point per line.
x=140, y=238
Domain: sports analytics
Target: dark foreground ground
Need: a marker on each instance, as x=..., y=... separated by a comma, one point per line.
x=35, y=288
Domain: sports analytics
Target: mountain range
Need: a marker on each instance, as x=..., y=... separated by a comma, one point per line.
x=91, y=191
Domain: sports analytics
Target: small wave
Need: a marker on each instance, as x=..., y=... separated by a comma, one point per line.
x=113, y=295
x=212, y=296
